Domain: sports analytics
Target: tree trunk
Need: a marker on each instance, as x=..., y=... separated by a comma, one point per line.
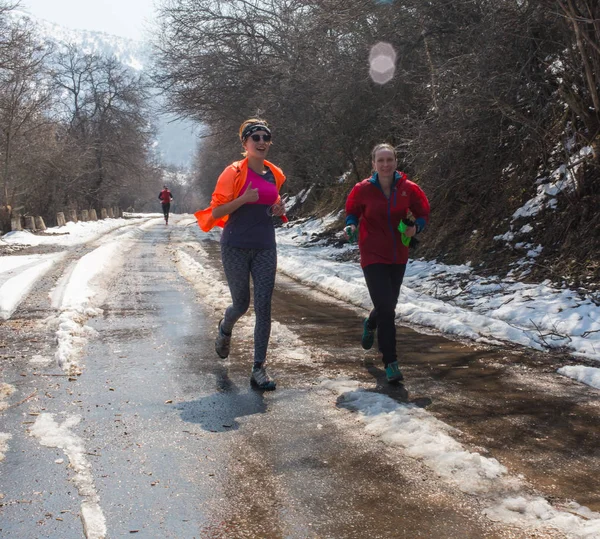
x=7, y=149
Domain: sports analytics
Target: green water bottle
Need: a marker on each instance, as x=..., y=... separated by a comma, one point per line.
x=404, y=224
x=352, y=234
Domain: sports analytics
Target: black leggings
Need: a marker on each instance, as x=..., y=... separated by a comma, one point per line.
x=166, y=208
x=384, y=282
x=239, y=265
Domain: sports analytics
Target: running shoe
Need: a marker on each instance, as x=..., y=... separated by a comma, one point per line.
x=368, y=336
x=393, y=373
x=222, y=342
x=261, y=380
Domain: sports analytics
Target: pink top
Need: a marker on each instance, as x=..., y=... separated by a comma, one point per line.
x=267, y=190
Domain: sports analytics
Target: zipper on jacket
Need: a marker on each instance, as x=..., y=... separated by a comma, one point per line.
x=389, y=212
x=393, y=193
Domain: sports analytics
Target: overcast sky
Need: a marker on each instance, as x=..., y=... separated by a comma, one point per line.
x=126, y=18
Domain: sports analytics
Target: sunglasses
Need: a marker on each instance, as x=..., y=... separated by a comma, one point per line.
x=256, y=138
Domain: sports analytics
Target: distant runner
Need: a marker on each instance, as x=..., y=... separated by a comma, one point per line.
x=165, y=198
x=378, y=210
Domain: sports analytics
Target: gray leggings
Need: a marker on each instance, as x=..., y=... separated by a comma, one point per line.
x=239, y=264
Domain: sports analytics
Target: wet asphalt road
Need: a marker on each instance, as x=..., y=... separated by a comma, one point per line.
x=180, y=446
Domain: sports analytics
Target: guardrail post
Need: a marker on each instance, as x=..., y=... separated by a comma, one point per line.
x=15, y=222
x=29, y=223
x=39, y=223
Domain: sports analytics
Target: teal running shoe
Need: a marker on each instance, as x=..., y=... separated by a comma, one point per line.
x=368, y=336
x=392, y=373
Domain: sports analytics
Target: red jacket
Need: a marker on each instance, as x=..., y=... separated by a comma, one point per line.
x=165, y=196
x=378, y=217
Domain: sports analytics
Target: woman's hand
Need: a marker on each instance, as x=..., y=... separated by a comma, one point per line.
x=249, y=195
x=350, y=233
x=410, y=231
x=278, y=209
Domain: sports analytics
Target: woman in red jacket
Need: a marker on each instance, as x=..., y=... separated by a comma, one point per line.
x=165, y=198
x=376, y=207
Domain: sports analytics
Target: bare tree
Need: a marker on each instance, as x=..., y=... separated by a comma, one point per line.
x=24, y=96
x=301, y=64
x=580, y=65
x=105, y=107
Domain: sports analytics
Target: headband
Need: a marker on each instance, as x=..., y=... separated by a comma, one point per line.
x=253, y=128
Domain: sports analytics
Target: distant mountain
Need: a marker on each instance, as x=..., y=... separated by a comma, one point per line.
x=176, y=140
x=134, y=54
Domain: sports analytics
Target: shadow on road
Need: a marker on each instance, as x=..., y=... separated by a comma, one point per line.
x=220, y=411
x=398, y=392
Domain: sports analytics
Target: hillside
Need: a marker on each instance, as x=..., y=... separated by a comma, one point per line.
x=542, y=225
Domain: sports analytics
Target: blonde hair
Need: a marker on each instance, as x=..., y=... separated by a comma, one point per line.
x=383, y=146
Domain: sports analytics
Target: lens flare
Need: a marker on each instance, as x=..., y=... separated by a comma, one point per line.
x=382, y=60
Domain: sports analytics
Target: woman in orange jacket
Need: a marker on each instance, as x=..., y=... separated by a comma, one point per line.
x=244, y=199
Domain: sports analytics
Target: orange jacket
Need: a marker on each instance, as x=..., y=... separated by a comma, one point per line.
x=228, y=188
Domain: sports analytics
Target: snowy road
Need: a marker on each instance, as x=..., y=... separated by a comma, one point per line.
x=121, y=420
